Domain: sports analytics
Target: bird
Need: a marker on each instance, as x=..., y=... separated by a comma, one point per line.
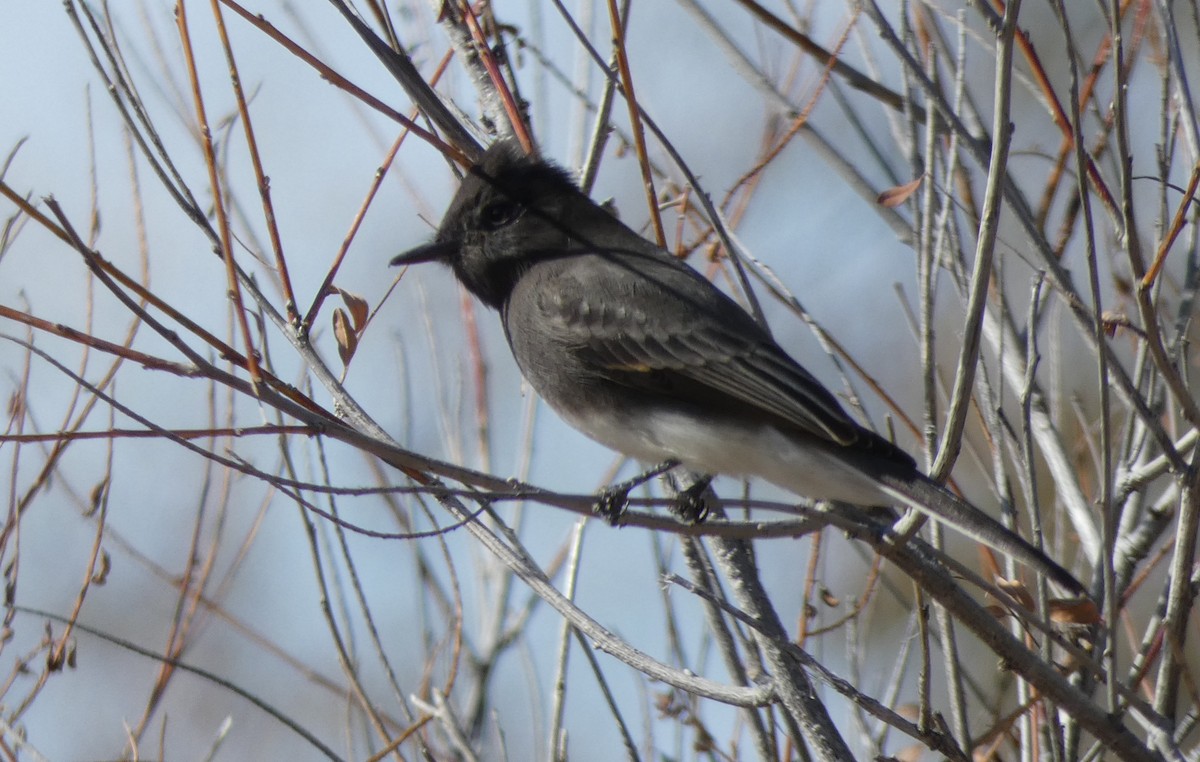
x=640, y=352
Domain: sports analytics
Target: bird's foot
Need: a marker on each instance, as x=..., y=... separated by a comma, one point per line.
x=613, y=501
x=690, y=504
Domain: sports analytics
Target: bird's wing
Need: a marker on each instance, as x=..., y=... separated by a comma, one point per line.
x=654, y=323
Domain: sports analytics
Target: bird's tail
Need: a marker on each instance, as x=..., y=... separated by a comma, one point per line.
x=936, y=501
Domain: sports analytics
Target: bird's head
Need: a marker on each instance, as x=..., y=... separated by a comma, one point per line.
x=511, y=211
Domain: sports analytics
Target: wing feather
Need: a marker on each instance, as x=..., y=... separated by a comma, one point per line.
x=704, y=345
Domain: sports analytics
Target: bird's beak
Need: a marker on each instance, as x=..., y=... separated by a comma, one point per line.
x=437, y=251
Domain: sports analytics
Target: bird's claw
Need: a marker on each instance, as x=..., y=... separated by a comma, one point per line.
x=611, y=503
x=690, y=503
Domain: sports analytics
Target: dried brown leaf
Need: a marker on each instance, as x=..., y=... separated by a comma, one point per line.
x=359, y=309
x=100, y=576
x=343, y=333
x=96, y=497
x=1074, y=611
x=1018, y=591
x=893, y=197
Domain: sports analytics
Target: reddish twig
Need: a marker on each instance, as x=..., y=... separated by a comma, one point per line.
x=210, y=161
x=264, y=185
x=635, y=121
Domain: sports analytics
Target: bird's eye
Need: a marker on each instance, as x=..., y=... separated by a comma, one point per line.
x=499, y=213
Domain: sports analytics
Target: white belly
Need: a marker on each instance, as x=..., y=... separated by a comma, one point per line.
x=734, y=449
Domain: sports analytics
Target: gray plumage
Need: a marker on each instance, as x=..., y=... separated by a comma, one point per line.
x=640, y=352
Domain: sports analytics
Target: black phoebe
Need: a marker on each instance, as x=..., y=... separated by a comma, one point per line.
x=643, y=354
